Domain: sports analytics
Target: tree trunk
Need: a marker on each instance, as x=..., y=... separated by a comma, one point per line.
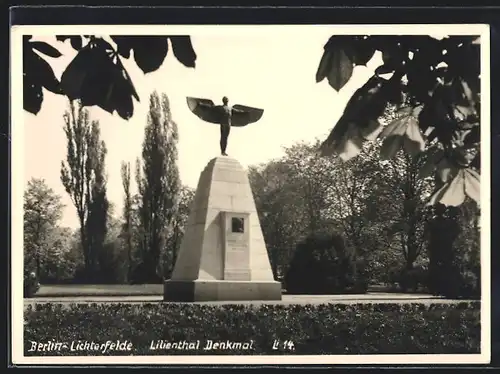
x=38, y=264
x=411, y=245
x=129, y=256
x=85, y=250
x=175, y=248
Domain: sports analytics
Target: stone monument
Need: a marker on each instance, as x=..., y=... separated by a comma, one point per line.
x=223, y=255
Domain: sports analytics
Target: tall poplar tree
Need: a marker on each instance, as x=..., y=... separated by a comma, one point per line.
x=83, y=177
x=127, y=233
x=159, y=185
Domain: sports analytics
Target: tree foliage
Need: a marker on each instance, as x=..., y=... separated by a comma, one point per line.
x=158, y=182
x=302, y=193
x=178, y=225
x=378, y=206
x=96, y=75
x=408, y=210
x=454, y=251
x=59, y=263
x=127, y=228
x=42, y=212
x=279, y=211
x=435, y=85
x=83, y=177
x=96, y=225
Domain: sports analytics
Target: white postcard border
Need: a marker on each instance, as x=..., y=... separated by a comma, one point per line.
x=17, y=188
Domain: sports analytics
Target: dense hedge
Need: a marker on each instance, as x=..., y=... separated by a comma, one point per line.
x=323, y=265
x=314, y=329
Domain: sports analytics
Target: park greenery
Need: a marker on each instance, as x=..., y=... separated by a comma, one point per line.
x=434, y=85
x=391, y=196
x=107, y=249
x=410, y=328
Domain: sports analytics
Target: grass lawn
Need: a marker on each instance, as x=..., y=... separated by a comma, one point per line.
x=75, y=290
x=99, y=290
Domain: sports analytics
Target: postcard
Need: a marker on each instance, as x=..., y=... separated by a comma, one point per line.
x=250, y=194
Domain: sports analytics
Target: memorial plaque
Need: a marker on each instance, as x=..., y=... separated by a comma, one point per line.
x=238, y=225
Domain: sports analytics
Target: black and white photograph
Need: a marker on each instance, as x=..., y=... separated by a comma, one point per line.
x=250, y=194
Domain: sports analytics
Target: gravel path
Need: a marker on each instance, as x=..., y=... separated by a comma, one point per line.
x=286, y=299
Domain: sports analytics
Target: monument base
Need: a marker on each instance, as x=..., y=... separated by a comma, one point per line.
x=220, y=290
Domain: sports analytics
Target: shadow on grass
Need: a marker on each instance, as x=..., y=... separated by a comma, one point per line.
x=99, y=290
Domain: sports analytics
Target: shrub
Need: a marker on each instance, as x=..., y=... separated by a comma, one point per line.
x=413, y=279
x=454, y=272
x=142, y=275
x=470, y=285
x=31, y=284
x=112, y=264
x=314, y=329
x=321, y=265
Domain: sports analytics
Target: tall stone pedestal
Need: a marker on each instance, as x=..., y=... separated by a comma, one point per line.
x=223, y=255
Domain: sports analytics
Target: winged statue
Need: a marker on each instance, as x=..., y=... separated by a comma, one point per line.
x=224, y=115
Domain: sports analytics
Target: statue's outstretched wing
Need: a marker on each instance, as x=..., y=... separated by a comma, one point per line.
x=205, y=109
x=243, y=115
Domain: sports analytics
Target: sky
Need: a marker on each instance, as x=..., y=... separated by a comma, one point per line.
x=272, y=71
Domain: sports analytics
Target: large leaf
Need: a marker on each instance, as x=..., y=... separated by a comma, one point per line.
x=341, y=70
x=124, y=93
x=76, y=73
x=384, y=69
x=433, y=155
x=358, y=122
x=446, y=169
x=37, y=73
x=399, y=125
x=32, y=95
x=336, y=64
x=324, y=66
x=149, y=50
x=453, y=192
x=344, y=140
x=75, y=40
x=473, y=137
x=368, y=102
x=414, y=141
x=472, y=181
x=463, y=155
x=392, y=57
x=42, y=72
x=96, y=79
x=470, y=94
x=361, y=50
x=183, y=50
x=421, y=76
x=476, y=162
x=390, y=147
x=124, y=44
x=371, y=130
x=463, y=57
x=403, y=131
x=46, y=49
